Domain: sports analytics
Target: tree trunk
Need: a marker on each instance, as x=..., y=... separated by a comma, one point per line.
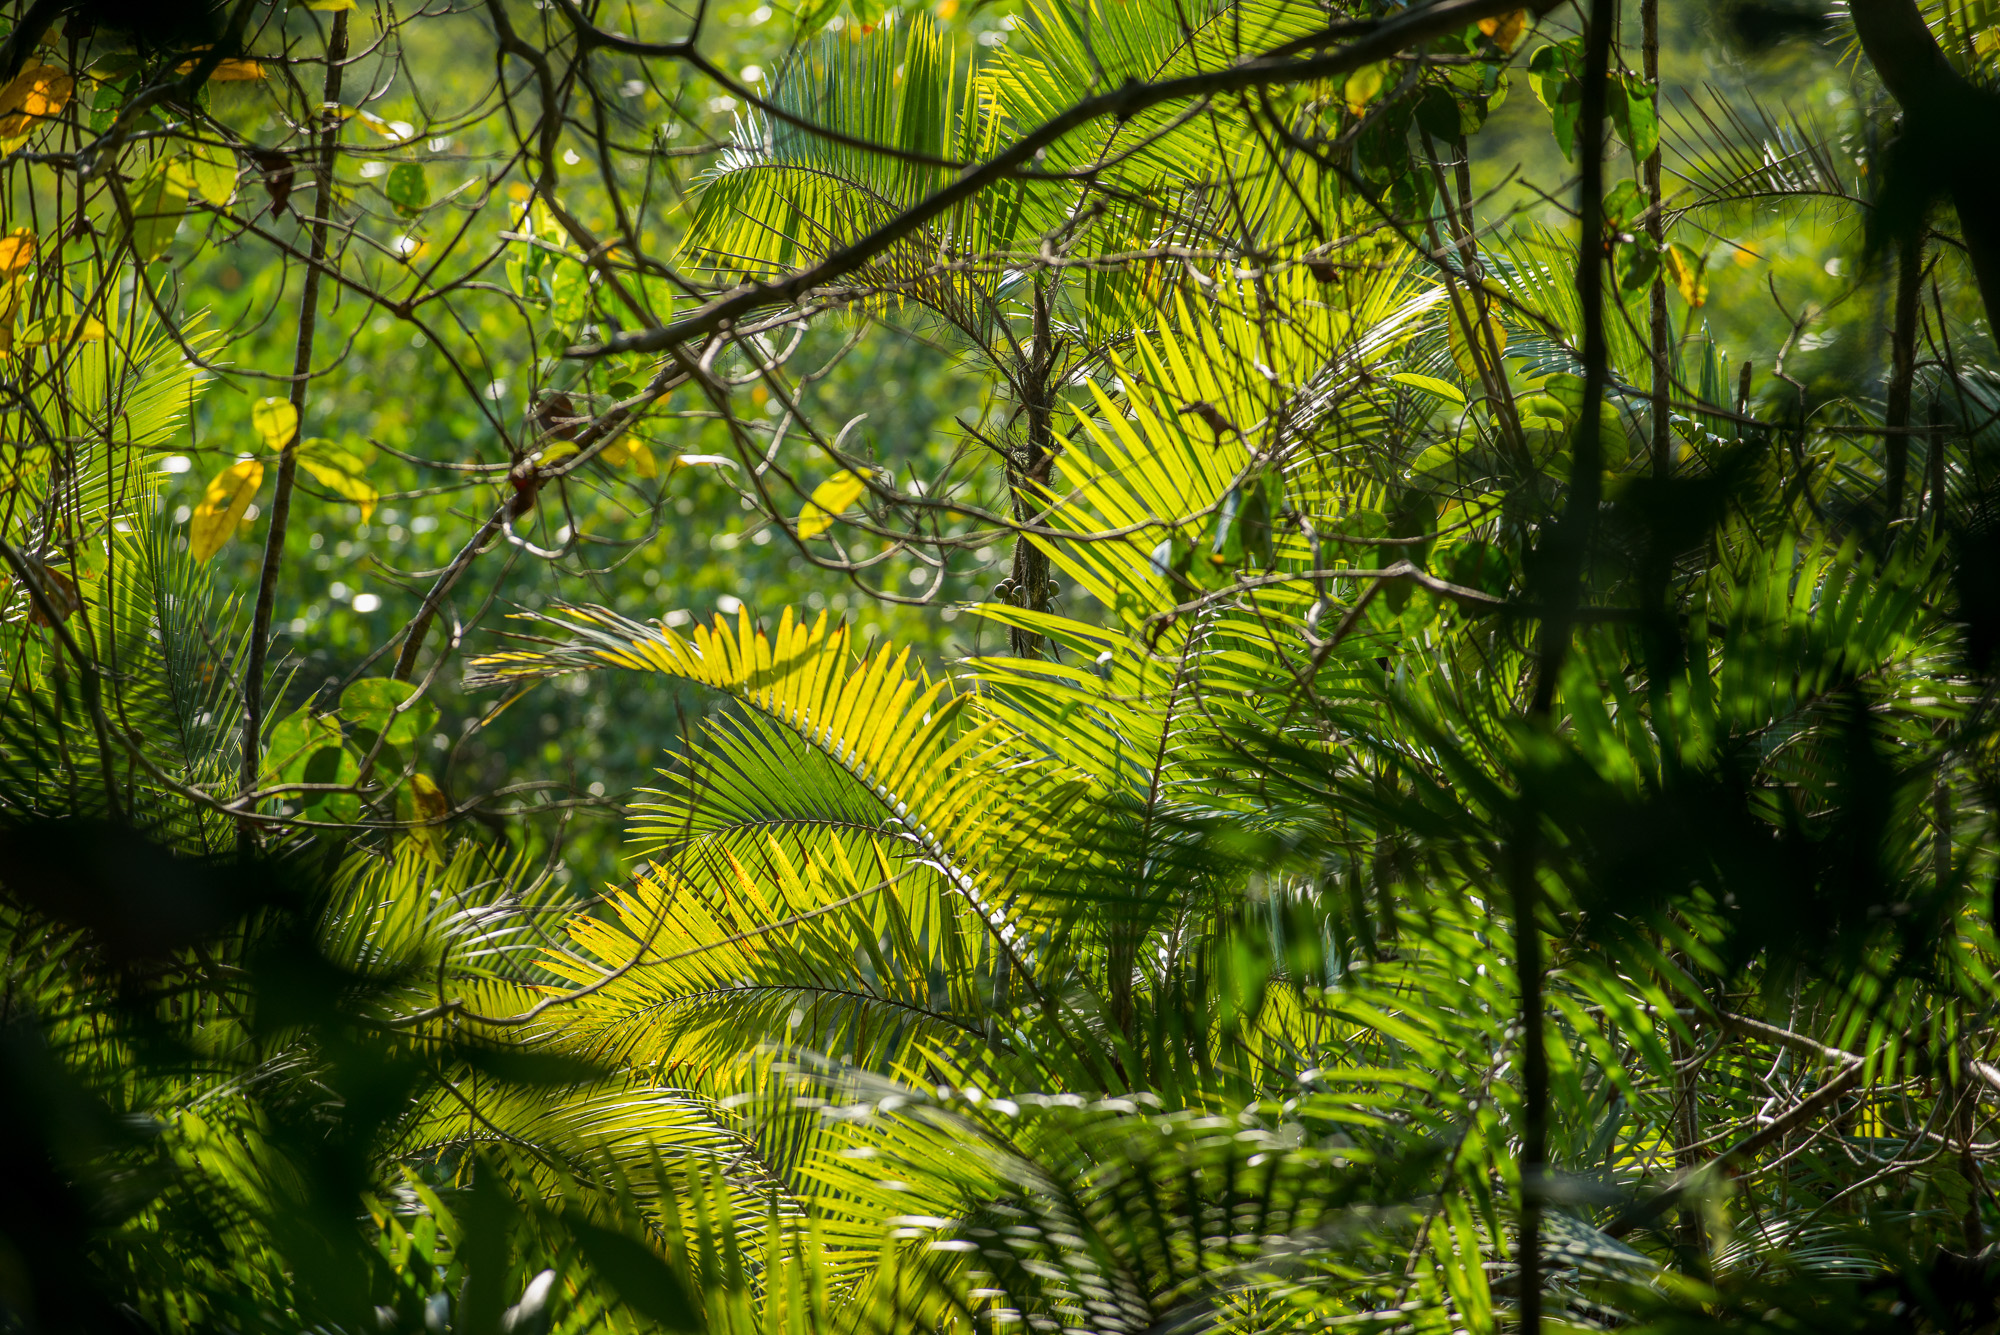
x=1950, y=139
x=1030, y=584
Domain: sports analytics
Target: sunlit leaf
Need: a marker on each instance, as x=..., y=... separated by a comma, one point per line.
x=17, y=251
x=339, y=471
x=276, y=422
x=215, y=520
x=1364, y=86
x=212, y=171
x=36, y=95
x=631, y=451
x=1685, y=271
x=830, y=498
x=380, y=706
x=159, y=201
x=1430, y=385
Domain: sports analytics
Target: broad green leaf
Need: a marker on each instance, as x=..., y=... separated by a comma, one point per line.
x=212, y=172
x=214, y=521
x=1635, y=115
x=308, y=748
x=830, y=498
x=408, y=189
x=158, y=201
x=329, y=6
x=1430, y=385
x=276, y=422
x=371, y=704
x=1623, y=203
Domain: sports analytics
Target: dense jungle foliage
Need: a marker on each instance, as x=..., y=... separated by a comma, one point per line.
x=1008, y=665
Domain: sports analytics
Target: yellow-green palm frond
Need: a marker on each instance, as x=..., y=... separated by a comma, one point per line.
x=905, y=739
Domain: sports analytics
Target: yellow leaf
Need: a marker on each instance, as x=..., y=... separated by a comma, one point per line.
x=221, y=510
x=339, y=472
x=830, y=498
x=276, y=422
x=227, y=71
x=1506, y=29
x=423, y=806
x=1364, y=86
x=329, y=6
x=633, y=451
x=37, y=94
x=1685, y=271
x=17, y=251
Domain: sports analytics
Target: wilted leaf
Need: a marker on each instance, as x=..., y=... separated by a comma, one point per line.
x=37, y=95
x=422, y=805
x=339, y=471
x=408, y=189
x=277, y=170
x=832, y=497
x=58, y=590
x=1685, y=272
x=229, y=71
x=221, y=510
x=276, y=422
x=1506, y=30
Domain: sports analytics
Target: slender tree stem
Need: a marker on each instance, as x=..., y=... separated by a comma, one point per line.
x=1656, y=230
x=1903, y=369
x=1568, y=547
x=281, y=500
x=1534, y=1073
